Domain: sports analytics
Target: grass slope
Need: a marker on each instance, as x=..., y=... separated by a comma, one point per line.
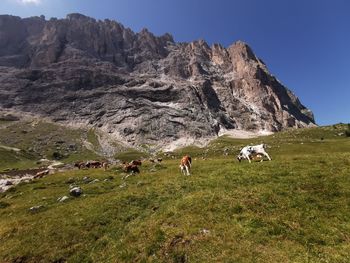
x=13, y=159
x=293, y=209
x=38, y=140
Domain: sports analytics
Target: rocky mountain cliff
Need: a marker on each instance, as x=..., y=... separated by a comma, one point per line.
x=139, y=88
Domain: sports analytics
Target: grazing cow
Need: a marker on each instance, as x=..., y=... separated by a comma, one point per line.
x=249, y=151
x=136, y=162
x=80, y=165
x=105, y=166
x=93, y=164
x=130, y=168
x=185, y=165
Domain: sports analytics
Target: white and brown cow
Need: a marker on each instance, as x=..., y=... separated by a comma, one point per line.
x=249, y=152
x=185, y=165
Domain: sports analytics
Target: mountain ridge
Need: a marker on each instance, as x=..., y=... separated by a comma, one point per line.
x=137, y=87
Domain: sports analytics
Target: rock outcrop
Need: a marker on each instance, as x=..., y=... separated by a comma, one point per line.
x=138, y=87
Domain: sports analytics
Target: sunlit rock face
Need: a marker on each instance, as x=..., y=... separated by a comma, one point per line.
x=136, y=86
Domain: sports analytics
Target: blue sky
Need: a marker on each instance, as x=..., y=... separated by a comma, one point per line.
x=305, y=43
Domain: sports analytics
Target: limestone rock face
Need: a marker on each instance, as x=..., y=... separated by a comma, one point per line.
x=138, y=87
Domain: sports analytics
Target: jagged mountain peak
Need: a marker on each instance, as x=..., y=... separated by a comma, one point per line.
x=138, y=87
x=78, y=16
x=240, y=49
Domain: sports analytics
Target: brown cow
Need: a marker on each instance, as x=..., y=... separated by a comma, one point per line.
x=185, y=164
x=80, y=165
x=136, y=162
x=93, y=164
x=132, y=168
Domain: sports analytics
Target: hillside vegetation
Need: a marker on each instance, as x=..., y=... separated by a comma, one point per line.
x=293, y=209
x=24, y=142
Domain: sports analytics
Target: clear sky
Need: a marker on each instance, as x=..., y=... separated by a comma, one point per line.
x=305, y=43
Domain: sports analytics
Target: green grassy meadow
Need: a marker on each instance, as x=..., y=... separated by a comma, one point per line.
x=39, y=139
x=295, y=208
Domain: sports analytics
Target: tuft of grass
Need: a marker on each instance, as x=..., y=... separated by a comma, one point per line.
x=92, y=138
x=4, y=204
x=10, y=159
x=131, y=154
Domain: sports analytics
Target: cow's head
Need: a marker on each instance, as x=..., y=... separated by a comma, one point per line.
x=239, y=157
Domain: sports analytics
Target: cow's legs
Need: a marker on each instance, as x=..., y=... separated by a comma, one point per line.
x=267, y=155
x=182, y=169
x=188, y=172
x=247, y=157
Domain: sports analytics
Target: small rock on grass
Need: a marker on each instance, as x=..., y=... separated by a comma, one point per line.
x=7, y=183
x=72, y=186
x=140, y=183
x=63, y=198
x=75, y=191
x=87, y=179
x=109, y=178
x=204, y=231
x=36, y=208
x=94, y=181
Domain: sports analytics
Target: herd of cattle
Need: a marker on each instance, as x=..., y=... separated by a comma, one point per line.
x=249, y=153
x=128, y=167
x=16, y=176
x=92, y=164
